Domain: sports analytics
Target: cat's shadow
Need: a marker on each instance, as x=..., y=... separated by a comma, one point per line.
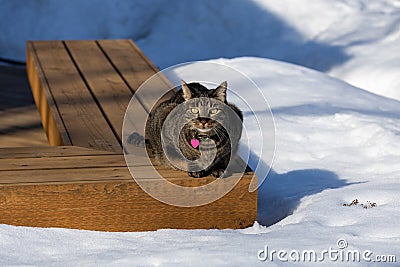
x=280, y=194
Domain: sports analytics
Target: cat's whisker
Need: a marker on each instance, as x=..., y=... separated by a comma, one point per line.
x=218, y=132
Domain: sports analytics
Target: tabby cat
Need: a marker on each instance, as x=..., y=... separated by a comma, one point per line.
x=192, y=127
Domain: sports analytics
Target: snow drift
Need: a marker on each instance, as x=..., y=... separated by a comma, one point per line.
x=357, y=41
x=334, y=143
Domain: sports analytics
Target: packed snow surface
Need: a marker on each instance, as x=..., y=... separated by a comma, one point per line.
x=355, y=40
x=335, y=174
x=334, y=144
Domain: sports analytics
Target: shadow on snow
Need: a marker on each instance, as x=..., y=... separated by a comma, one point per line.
x=280, y=194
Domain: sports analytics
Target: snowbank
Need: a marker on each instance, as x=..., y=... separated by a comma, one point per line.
x=335, y=144
x=357, y=41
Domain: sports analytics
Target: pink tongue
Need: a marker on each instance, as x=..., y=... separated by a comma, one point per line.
x=195, y=142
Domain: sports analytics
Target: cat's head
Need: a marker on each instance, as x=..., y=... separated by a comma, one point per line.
x=204, y=108
x=196, y=90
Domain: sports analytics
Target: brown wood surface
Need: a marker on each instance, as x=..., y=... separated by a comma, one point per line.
x=108, y=88
x=74, y=192
x=131, y=62
x=82, y=89
x=48, y=151
x=20, y=123
x=135, y=68
x=51, y=120
x=118, y=206
x=84, y=122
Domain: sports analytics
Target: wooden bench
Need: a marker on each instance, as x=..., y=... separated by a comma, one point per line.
x=82, y=90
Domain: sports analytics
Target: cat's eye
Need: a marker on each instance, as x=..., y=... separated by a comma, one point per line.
x=214, y=111
x=194, y=110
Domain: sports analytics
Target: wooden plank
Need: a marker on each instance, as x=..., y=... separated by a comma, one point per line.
x=21, y=126
x=74, y=101
x=95, y=191
x=118, y=206
x=93, y=168
x=19, y=117
x=130, y=61
x=107, y=86
x=49, y=115
x=68, y=175
x=64, y=176
x=136, y=68
x=59, y=164
x=40, y=152
x=67, y=190
x=77, y=161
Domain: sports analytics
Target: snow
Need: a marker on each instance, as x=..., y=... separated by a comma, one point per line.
x=357, y=40
x=334, y=142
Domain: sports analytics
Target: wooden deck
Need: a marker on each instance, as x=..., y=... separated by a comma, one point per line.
x=80, y=188
x=82, y=89
x=20, y=124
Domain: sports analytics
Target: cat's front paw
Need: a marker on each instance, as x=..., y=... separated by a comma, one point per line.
x=136, y=139
x=197, y=174
x=218, y=173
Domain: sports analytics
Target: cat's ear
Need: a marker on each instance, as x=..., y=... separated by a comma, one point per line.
x=187, y=94
x=220, y=91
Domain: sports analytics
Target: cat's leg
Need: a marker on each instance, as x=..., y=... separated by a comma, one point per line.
x=219, y=173
x=219, y=167
x=195, y=171
x=198, y=174
x=136, y=139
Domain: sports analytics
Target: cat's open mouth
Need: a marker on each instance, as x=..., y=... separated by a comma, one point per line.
x=203, y=130
x=201, y=133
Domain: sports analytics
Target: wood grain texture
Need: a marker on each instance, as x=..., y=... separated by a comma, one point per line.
x=108, y=88
x=19, y=116
x=131, y=62
x=136, y=68
x=82, y=89
x=48, y=151
x=77, y=161
x=49, y=115
x=67, y=191
x=83, y=120
x=118, y=206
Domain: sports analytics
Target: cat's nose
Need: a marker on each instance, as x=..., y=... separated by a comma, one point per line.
x=203, y=120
